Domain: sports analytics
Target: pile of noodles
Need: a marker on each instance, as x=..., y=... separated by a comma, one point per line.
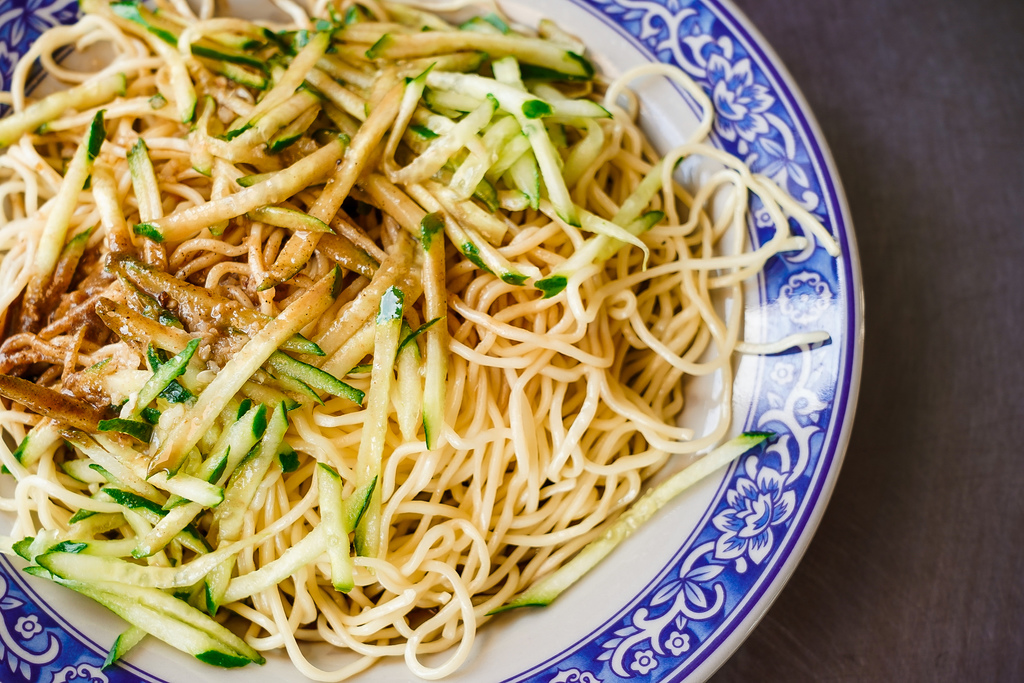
x=558, y=410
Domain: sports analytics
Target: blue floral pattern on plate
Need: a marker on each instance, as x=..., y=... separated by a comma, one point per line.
x=770, y=501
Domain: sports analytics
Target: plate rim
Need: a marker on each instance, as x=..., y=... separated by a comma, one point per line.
x=793, y=548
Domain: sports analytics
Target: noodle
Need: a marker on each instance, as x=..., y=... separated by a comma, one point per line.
x=562, y=377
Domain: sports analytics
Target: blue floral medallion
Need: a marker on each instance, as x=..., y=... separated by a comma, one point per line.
x=750, y=535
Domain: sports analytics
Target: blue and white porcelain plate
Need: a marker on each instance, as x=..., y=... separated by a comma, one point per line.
x=679, y=596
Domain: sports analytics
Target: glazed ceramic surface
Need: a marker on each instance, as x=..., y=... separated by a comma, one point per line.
x=679, y=596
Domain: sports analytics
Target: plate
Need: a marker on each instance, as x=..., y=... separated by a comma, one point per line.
x=679, y=596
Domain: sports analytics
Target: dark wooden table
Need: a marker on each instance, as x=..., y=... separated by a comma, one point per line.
x=917, y=570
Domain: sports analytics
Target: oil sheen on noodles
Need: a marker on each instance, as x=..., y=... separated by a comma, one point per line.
x=459, y=335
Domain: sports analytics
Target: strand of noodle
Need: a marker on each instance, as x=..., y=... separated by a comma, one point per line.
x=49, y=41
x=707, y=110
x=35, y=482
x=489, y=323
x=463, y=605
x=787, y=343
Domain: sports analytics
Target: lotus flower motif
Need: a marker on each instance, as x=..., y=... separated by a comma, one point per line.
x=757, y=504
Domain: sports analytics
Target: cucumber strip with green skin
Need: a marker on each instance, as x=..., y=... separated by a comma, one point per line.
x=290, y=219
x=291, y=133
x=169, y=30
x=269, y=395
x=200, y=152
x=408, y=393
x=266, y=126
x=147, y=305
x=353, y=316
x=410, y=101
x=80, y=470
x=229, y=450
x=108, y=201
x=296, y=557
x=234, y=443
x=484, y=25
x=163, y=42
x=469, y=215
x=247, y=477
x=289, y=461
x=28, y=548
x=123, y=643
x=187, y=223
x=137, y=430
x=525, y=177
x=144, y=182
x=250, y=180
x=442, y=148
x=298, y=250
x=92, y=567
x=410, y=335
x=556, y=131
x=344, y=72
x=296, y=388
x=55, y=230
x=314, y=377
x=189, y=487
x=120, y=547
x=527, y=108
x=226, y=56
x=596, y=249
x=167, y=618
x=237, y=73
x=509, y=154
x=435, y=305
x=465, y=62
x=85, y=96
x=174, y=522
x=387, y=335
x=124, y=472
x=529, y=50
x=221, y=589
x=467, y=240
x=216, y=584
x=488, y=194
x=163, y=376
x=151, y=513
x=41, y=439
x=48, y=541
x=567, y=108
x=292, y=78
x=87, y=523
x=506, y=70
x=142, y=327
x=550, y=587
x=450, y=104
x=334, y=524
x=584, y=153
x=475, y=167
x=591, y=222
x=130, y=326
x=337, y=94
